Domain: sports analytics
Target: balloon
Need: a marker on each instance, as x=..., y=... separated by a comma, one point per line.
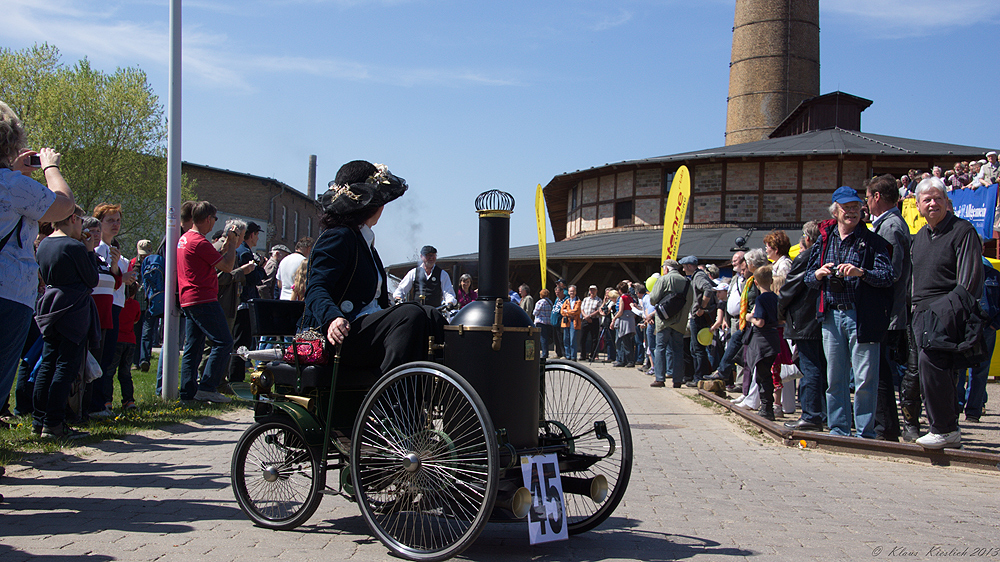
x=705, y=336
x=652, y=281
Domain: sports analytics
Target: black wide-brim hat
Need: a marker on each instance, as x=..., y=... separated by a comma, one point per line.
x=379, y=189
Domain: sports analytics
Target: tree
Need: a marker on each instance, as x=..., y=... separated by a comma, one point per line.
x=110, y=129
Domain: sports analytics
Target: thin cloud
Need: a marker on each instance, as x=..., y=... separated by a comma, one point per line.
x=207, y=57
x=357, y=72
x=914, y=18
x=610, y=21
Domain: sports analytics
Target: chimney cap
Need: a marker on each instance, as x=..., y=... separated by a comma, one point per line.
x=495, y=201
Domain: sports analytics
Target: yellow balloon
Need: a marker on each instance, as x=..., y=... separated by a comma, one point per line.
x=704, y=336
x=652, y=281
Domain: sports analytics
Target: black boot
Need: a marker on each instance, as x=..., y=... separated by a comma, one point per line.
x=766, y=411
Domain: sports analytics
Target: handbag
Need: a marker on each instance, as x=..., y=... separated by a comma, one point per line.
x=309, y=348
x=671, y=304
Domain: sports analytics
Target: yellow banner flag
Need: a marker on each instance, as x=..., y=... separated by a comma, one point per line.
x=912, y=216
x=676, y=210
x=540, y=219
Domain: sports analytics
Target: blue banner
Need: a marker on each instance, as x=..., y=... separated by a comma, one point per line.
x=976, y=206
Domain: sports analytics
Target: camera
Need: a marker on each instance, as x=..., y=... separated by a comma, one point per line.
x=35, y=161
x=837, y=284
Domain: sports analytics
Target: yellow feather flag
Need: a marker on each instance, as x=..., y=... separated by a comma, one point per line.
x=676, y=210
x=540, y=219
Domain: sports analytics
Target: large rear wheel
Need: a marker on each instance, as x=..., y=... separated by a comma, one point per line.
x=276, y=477
x=576, y=398
x=424, y=459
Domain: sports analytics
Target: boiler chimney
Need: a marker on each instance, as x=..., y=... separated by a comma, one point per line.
x=311, y=182
x=494, y=208
x=775, y=65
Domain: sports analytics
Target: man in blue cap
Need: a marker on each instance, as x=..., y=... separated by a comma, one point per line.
x=851, y=267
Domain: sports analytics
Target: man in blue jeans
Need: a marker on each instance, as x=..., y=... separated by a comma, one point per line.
x=198, y=286
x=669, y=353
x=851, y=269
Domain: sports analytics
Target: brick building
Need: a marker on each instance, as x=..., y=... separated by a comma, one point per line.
x=608, y=220
x=283, y=212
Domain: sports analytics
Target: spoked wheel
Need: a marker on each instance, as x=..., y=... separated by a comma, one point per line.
x=276, y=477
x=424, y=458
x=575, y=398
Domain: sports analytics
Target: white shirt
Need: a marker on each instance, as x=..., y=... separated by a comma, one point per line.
x=286, y=273
x=735, y=291
x=20, y=196
x=447, y=291
x=373, y=306
x=118, y=295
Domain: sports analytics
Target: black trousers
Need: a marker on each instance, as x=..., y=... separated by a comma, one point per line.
x=762, y=373
x=894, y=347
x=62, y=360
x=388, y=338
x=557, y=340
x=591, y=331
x=241, y=336
x=909, y=387
x=938, y=380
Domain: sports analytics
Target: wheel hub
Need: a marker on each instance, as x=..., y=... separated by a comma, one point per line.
x=411, y=462
x=270, y=473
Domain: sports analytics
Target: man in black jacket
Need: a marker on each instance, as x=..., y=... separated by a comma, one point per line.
x=882, y=196
x=797, y=305
x=949, y=252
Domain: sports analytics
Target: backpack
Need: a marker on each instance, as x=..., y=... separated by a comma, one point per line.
x=672, y=303
x=989, y=303
x=151, y=274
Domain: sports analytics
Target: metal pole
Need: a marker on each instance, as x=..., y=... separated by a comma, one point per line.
x=171, y=318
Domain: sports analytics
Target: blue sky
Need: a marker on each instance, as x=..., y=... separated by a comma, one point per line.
x=461, y=97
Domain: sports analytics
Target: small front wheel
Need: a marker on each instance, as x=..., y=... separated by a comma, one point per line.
x=276, y=476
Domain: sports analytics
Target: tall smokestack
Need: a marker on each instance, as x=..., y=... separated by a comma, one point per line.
x=775, y=65
x=311, y=182
x=494, y=208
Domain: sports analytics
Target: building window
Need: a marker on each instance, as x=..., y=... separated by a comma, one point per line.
x=573, y=201
x=309, y=227
x=623, y=213
x=667, y=181
x=284, y=222
x=296, y=225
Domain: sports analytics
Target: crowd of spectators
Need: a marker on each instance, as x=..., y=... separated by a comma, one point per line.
x=841, y=318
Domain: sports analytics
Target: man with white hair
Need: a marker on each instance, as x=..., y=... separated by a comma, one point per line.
x=990, y=170
x=945, y=294
x=853, y=273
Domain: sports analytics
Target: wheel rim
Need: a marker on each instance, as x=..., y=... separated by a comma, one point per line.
x=424, y=457
x=574, y=399
x=276, y=473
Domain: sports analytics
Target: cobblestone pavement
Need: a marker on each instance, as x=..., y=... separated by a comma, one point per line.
x=702, y=488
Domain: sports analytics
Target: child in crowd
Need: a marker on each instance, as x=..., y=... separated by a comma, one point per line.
x=764, y=342
x=125, y=348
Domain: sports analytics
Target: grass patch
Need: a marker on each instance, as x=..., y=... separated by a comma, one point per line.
x=151, y=412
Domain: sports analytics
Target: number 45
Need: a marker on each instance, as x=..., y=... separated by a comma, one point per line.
x=548, y=494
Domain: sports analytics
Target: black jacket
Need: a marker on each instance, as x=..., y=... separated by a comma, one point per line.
x=343, y=274
x=797, y=302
